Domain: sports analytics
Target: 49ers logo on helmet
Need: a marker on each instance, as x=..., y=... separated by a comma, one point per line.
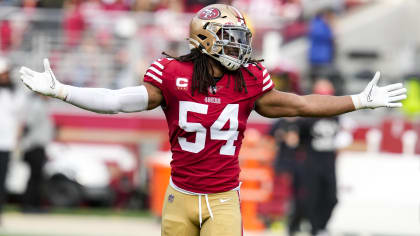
x=209, y=14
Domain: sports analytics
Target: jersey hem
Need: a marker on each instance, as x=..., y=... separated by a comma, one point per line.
x=174, y=186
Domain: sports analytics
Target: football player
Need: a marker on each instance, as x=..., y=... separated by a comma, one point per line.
x=207, y=97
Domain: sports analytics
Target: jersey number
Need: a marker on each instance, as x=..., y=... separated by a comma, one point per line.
x=230, y=113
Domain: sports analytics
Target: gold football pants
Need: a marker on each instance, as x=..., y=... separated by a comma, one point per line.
x=216, y=214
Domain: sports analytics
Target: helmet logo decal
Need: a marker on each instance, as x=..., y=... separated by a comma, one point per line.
x=239, y=16
x=209, y=13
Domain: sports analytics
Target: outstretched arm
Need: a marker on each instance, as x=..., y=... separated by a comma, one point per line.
x=130, y=99
x=280, y=104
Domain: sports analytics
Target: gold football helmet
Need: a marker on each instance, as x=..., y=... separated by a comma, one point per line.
x=220, y=31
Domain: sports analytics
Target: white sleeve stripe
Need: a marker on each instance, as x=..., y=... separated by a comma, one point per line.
x=267, y=86
x=266, y=79
x=154, y=77
x=264, y=72
x=158, y=64
x=155, y=70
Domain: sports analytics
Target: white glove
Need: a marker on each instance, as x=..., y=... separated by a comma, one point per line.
x=374, y=96
x=44, y=83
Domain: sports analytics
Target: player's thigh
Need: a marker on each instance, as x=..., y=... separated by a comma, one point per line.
x=227, y=219
x=175, y=220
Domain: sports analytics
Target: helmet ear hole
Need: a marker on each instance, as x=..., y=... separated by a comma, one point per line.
x=202, y=37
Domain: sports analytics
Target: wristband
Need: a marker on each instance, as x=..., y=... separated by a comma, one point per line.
x=356, y=101
x=62, y=92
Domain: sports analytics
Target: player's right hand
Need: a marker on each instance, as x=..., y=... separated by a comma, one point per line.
x=44, y=83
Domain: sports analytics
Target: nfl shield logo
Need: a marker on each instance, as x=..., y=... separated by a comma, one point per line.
x=213, y=89
x=171, y=198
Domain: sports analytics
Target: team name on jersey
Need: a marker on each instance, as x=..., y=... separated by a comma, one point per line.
x=212, y=100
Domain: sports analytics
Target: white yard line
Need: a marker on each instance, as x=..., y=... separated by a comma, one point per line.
x=65, y=225
x=17, y=224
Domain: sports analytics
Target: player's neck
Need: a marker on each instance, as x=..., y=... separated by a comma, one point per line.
x=217, y=69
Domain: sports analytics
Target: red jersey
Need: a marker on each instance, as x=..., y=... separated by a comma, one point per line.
x=205, y=131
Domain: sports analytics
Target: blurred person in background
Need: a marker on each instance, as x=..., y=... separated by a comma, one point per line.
x=86, y=61
x=288, y=162
x=73, y=23
x=144, y=5
x=207, y=96
x=51, y=3
x=307, y=152
x=29, y=6
x=13, y=29
x=266, y=11
x=171, y=6
x=116, y=5
x=194, y=6
x=322, y=43
x=11, y=102
x=5, y=36
x=9, y=2
x=38, y=132
x=318, y=138
x=286, y=78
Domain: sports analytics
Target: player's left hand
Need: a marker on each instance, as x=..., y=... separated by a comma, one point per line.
x=374, y=96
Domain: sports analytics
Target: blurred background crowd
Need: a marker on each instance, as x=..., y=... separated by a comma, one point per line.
x=115, y=40
x=294, y=170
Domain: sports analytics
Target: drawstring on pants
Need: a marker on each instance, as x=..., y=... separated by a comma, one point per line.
x=199, y=207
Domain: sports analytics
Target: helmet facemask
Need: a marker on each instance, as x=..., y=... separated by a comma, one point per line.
x=232, y=45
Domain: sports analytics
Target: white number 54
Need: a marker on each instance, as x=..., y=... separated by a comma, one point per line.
x=229, y=113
